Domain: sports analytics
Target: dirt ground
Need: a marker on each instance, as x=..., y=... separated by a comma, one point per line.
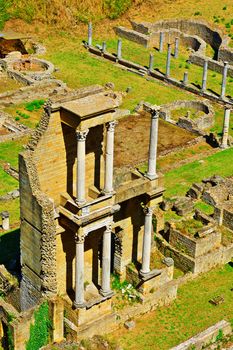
x=132, y=139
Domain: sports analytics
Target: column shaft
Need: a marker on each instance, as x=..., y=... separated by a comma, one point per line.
x=204, y=76
x=89, y=34
x=168, y=60
x=119, y=49
x=225, y=128
x=224, y=79
x=176, y=48
x=185, y=79
x=81, y=173
x=146, y=249
x=151, y=173
x=106, y=263
x=79, y=273
x=151, y=62
x=108, y=179
x=161, y=40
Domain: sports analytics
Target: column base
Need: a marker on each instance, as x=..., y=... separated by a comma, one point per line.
x=108, y=193
x=151, y=176
x=80, y=203
x=145, y=276
x=106, y=294
x=223, y=146
x=79, y=305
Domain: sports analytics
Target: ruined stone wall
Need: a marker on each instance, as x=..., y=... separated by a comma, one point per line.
x=199, y=28
x=212, y=64
x=133, y=36
x=56, y=159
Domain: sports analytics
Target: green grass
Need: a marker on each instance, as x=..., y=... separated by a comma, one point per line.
x=179, y=180
x=204, y=207
x=189, y=314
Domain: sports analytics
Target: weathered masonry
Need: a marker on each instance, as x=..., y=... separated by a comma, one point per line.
x=79, y=220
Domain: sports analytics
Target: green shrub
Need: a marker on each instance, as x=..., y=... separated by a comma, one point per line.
x=197, y=13
x=34, y=105
x=39, y=331
x=17, y=118
x=115, y=8
x=228, y=25
x=224, y=8
x=4, y=15
x=220, y=335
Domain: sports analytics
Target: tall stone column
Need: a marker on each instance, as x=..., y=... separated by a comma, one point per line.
x=146, y=249
x=151, y=173
x=108, y=178
x=185, y=79
x=176, y=48
x=168, y=60
x=104, y=47
x=161, y=40
x=119, y=49
x=106, y=262
x=151, y=62
x=224, y=79
x=89, y=34
x=79, y=272
x=225, y=128
x=81, y=173
x=204, y=76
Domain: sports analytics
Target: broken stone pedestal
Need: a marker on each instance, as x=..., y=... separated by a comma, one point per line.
x=5, y=220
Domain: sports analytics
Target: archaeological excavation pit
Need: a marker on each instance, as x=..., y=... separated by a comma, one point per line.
x=132, y=135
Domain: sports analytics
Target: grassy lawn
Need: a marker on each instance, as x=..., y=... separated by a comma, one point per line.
x=8, y=84
x=178, y=181
x=189, y=314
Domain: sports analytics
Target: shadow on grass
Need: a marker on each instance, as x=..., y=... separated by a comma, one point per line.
x=10, y=250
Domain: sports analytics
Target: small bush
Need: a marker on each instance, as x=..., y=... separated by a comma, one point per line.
x=224, y=8
x=228, y=25
x=116, y=8
x=187, y=66
x=34, y=105
x=17, y=118
x=197, y=13
x=214, y=75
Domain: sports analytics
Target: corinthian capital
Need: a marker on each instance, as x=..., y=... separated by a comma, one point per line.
x=82, y=135
x=111, y=125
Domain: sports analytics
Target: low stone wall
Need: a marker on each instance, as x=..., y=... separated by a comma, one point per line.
x=219, y=256
x=207, y=337
x=196, y=125
x=224, y=216
x=42, y=89
x=133, y=36
x=192, y=27
x=213, y=65
x=195, y=247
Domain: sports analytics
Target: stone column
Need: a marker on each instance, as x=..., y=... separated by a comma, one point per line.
x=89, y=34
x=104, y=47
x=146, y=249
x=161, y=40
x=108, y=177
x=225, y=128
x=106, y=262
x=168, y=60
x=5, y=220
x=79, y=272
x=176, y=48
x=204, y=76
x=151, y=173
x=119, y=49
x=151, y=62
x=224, y=79
x=185, y=79
x=81, y=173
